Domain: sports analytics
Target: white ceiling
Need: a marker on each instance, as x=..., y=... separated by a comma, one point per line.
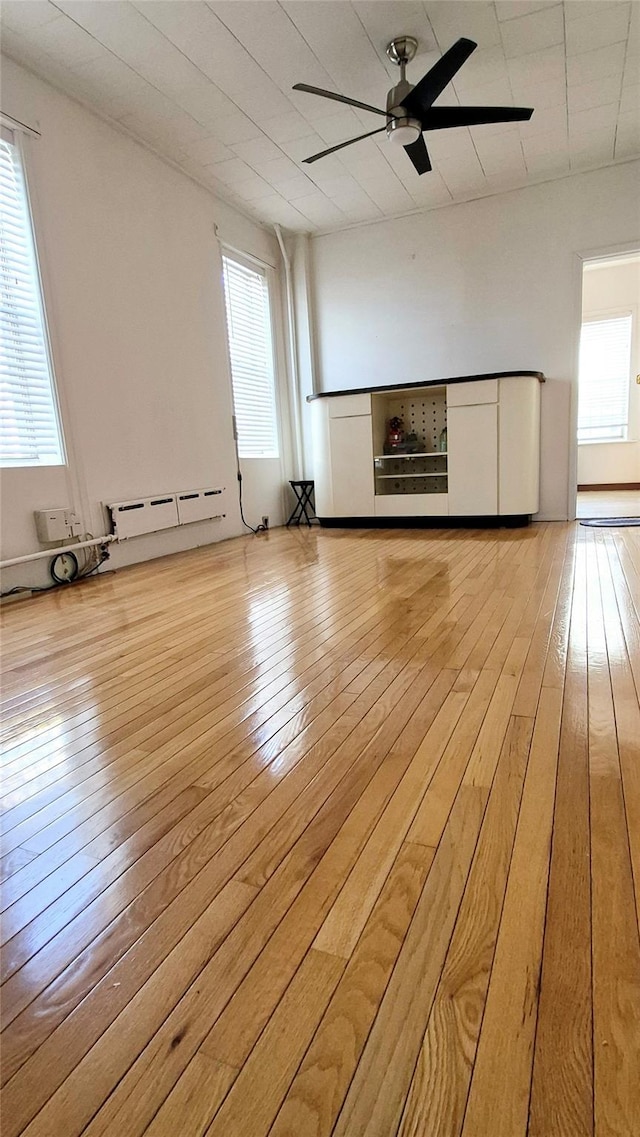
x=208, y=85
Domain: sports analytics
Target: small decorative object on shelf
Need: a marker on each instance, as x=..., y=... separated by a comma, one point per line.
x=395, y=435
x=412, y=444
x=442, y=442
x=397, y=442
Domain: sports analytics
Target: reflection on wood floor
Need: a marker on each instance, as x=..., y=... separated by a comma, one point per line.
x=327, y=832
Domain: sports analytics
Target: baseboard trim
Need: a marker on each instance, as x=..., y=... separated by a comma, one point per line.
x=506, y=521
x=611, y=486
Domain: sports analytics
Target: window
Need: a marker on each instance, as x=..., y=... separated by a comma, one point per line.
x=29, y=426
x=246, y=292
x=603, y=385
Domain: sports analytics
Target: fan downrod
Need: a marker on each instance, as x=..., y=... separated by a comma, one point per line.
x=402, y=49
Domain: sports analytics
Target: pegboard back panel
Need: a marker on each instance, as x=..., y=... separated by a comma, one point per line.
x=424, y=414
x=410, y=485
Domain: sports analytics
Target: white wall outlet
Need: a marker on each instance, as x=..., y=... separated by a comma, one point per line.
x=73, y=522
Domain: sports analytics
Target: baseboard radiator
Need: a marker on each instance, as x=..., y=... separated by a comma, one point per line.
x=164, y=511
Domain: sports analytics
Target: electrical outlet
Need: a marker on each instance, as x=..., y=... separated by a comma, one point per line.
x=265, y=520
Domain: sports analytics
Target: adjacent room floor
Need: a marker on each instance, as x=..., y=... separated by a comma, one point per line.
x=608, y=503
x=328, y=832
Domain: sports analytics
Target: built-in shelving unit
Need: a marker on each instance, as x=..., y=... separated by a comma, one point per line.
x=424, y=414
x=488, y=468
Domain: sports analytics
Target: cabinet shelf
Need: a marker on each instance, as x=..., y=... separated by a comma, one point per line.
x=396, y=477
x=398, y=457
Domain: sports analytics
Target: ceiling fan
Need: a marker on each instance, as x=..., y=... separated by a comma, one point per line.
x=410, y=109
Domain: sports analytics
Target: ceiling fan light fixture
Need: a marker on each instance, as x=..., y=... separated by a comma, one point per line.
x=404, y=131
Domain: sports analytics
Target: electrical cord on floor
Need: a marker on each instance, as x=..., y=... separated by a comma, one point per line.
x=86, y=572
x=28, y=588
x=259, y=528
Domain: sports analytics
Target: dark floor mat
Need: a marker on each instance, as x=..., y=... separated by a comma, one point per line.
x=603, y=522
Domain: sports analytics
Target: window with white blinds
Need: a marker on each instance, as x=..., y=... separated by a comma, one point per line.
x=603, y=382
x=246, y=291
x=29, y=426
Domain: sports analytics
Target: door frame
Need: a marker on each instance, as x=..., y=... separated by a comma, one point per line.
x=602, y=253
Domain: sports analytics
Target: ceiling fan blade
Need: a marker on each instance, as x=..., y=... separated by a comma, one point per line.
x=419, y=155
x=337, y=98
x=440, y=118
x=341, y=145
x=434, y=82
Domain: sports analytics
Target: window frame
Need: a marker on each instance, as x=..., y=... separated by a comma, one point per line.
x=254, y=264
x=17, y=133
x=602, y=316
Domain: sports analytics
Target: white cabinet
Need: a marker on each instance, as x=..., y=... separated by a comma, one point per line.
x=474, y=451
x=472, y=433
x=343, y=456
x=470, y=394
x=519, y=447
x=352, y=466
x=349, y=405
x=472, y=429
x=411, y=505
x=321, y=442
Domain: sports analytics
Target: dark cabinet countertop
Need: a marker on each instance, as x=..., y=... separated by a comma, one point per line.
x=428, y=383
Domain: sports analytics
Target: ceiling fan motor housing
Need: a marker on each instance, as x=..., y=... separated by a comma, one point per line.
x=402, y=129
x=396, y=97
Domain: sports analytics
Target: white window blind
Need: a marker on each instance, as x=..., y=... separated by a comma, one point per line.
x=29, y=426
x=603, y=384
x=251, y=352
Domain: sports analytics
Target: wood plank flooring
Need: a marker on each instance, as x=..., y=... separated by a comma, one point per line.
x=327, y=833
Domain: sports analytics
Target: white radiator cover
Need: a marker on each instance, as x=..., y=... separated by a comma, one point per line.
x=165, y=511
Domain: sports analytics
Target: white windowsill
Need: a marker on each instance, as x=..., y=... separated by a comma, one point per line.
x=610, y=442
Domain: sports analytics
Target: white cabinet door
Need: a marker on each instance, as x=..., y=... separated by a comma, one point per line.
x=519, y=466
x=468, y=394
x=343, y=406
x=320, y=434
x=472, y=444
x=351, y=445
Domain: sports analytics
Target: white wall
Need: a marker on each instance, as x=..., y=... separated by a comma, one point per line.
x=133, y=288
x=607, y=289
x=489, y=285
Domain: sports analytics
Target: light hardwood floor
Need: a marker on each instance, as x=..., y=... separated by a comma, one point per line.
x=327, y=832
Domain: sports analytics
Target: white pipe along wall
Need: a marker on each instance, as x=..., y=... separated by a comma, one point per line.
x=71, y=548
x=293, y=355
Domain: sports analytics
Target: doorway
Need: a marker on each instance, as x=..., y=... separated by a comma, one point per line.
x=609, y=389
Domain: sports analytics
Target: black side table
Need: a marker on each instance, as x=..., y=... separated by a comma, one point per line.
x=303, y=491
